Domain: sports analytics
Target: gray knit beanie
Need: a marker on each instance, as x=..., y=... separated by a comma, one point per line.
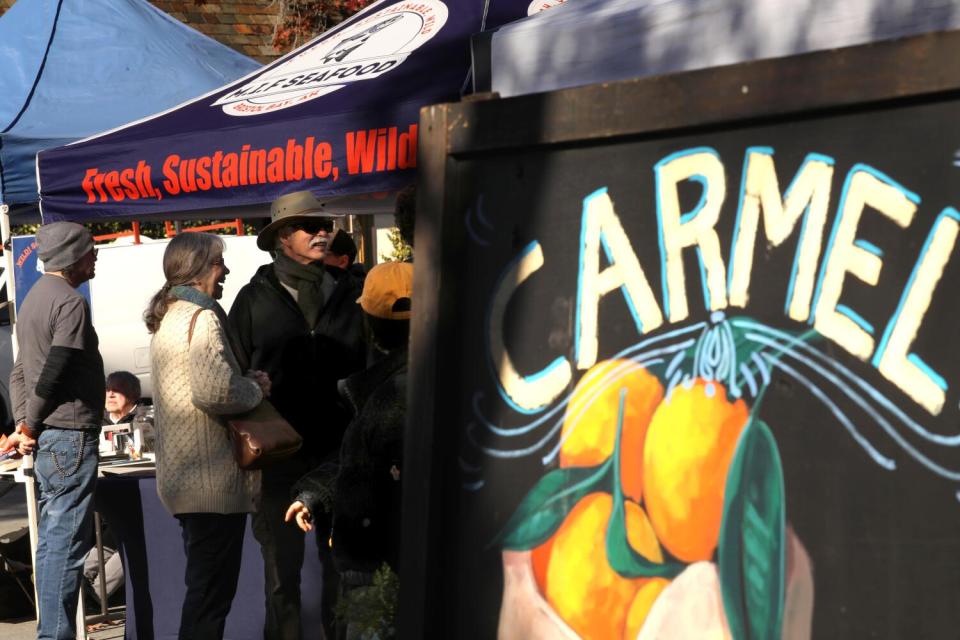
x=61, y=244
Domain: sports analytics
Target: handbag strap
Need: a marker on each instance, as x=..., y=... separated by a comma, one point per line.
x=193, y=323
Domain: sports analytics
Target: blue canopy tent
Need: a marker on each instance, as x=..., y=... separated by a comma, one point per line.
x=72, y=68
x=338, y=117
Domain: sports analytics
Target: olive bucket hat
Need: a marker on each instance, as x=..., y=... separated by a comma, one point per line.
x=288, y=208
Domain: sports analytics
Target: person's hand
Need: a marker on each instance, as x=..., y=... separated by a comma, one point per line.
x=27, y=442
x=300, y=511
x=262, y=378
x=23, y=443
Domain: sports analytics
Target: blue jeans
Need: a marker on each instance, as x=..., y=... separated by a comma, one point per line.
x=66, y=470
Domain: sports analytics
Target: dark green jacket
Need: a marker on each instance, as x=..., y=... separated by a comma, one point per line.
x=304, y=362
x=366, y=496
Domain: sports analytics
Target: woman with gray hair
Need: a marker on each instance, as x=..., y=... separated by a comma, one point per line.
x=197, y=378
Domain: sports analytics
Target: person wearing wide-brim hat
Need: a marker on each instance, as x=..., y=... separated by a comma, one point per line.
x=297, y=320
x=301, y=207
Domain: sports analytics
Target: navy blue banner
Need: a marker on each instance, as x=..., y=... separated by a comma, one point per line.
x=27, y=268
x=337, y=116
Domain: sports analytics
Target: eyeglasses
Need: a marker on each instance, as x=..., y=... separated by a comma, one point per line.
x=314, y=226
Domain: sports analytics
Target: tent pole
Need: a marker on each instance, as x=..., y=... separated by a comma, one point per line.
x=8, y=274
x=24, y=474
x=365, y=248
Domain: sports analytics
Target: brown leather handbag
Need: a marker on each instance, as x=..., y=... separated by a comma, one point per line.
x=260, y=437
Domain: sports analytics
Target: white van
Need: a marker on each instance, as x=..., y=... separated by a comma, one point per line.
x=127, y=277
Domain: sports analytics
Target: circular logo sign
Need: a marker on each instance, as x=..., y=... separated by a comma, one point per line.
x=364, y=50
x=542, y=5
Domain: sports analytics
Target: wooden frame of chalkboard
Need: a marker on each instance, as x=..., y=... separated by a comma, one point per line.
x=909, y=71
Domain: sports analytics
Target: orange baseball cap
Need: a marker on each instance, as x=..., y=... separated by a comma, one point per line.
x=383, y=287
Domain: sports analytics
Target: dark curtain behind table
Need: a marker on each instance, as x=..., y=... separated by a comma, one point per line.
x=154, y=563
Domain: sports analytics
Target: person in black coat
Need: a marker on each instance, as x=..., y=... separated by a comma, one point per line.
x=297, y=320
x=342, y=254
x=366, y=496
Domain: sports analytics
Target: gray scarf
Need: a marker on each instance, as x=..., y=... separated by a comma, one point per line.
x=307, y=279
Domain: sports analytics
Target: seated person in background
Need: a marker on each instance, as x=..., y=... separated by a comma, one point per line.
x=123, y=394
x=366, y=493
x=112, y=570
x=341, y=254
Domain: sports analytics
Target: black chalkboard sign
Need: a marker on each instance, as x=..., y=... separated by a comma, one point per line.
x=685, y=356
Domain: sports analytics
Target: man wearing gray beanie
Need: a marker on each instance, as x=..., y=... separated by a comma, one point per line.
x=57, y=389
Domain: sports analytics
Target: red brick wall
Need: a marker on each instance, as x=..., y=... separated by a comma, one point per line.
x=244, y=25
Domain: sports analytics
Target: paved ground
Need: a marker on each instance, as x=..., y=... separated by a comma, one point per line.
x=11, y=630
x=13, y=521
x=27, y=630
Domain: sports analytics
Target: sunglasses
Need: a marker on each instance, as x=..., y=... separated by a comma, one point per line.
x=314, y=227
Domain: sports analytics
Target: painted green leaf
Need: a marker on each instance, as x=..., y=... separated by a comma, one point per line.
x=752, y=537
x=548, y=503
x=624, y=559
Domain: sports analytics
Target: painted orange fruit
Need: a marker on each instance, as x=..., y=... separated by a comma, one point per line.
x=540, y=558
x=641, y=605
x=690, y=443
x=575, y=577
x=590, y=424
x=640, y=533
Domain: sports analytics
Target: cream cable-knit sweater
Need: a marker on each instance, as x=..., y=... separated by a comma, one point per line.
x=196, y=471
